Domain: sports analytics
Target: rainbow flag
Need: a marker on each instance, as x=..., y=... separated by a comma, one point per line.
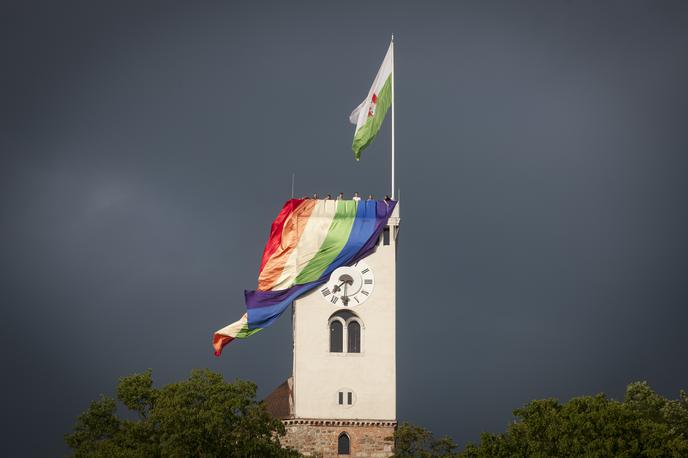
x=308, y=240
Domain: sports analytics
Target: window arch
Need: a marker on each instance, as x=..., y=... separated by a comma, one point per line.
x=336, y=336
x=343, y=444
x=353, y=332
x=345, y=332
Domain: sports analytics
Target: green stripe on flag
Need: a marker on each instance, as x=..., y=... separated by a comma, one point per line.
x=336, y=238
x=369, y=130
x=245, y=332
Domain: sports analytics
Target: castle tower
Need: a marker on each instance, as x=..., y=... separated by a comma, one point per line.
x=341, y=398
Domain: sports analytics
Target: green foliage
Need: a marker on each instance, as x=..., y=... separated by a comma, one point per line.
x=206, y=417
x=98, y=424
x=200, y=417
x=136, y=392
x=413, y=441
x=644, y=425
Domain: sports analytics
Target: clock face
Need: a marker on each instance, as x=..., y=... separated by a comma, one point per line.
x=349, y=286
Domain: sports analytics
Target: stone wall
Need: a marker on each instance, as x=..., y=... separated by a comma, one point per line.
x=318, y=438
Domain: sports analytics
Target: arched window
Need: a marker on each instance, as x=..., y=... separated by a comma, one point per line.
x=345, y=332
x=336, y=336
x=353, y=331
x=343, y=446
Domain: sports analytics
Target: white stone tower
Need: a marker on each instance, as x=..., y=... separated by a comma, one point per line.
x=341, y=399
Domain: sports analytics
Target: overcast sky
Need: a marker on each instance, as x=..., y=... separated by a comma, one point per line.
x=542, y=150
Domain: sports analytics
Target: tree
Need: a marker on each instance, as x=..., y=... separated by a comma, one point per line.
x=644, y=425
x=203, y=416
x=412, y=441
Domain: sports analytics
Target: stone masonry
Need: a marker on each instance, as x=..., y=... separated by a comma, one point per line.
x=318, y=438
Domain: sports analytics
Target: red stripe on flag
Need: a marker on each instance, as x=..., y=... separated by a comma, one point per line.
x=276, y=230
x=219, y=342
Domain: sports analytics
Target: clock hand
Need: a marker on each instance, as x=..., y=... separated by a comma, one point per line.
x=338, y=288
x=345, y=297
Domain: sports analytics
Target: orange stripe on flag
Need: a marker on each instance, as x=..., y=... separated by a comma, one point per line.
x=276, y=229
x=291, y=233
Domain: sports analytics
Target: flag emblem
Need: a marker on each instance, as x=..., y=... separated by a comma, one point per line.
x=373, y=104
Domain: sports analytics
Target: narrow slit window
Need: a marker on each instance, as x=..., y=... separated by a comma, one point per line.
x=341, y=398
x=385, y=236
x=349, y=398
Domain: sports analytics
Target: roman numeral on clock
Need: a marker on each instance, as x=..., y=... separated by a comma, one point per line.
x=365, y=292
x=334, y=299
x=365, y=271
x=325, y=292
x=368, y=282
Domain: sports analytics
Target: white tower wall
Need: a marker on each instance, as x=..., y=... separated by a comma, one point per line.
x=370, y=375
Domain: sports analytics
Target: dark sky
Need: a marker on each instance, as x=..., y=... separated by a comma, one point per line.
x=542, y=153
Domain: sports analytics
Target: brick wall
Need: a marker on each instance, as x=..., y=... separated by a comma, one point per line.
x=319, y=438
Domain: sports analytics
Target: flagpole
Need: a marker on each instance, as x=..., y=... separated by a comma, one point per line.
x=393, y=104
